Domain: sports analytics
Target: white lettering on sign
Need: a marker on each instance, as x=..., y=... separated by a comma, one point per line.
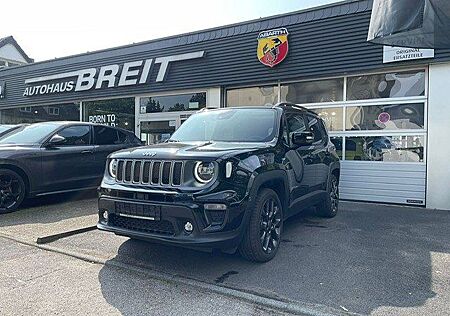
x=106, y=119
x=109, y=76
x=394, y=54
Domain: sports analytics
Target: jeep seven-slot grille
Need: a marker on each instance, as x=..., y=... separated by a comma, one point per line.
x=164, y=173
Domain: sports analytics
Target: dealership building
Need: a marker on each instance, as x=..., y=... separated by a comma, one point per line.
x=387, y=108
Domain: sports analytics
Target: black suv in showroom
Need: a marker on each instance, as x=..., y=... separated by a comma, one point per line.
x=55, y=157
x=226, y=179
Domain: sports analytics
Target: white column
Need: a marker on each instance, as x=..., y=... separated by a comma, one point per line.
x=213, y=98
x=438, y=164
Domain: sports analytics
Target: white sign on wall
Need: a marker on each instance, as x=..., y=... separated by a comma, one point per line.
x=393, y=54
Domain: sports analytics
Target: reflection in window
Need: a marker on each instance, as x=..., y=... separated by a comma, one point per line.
x=267, y=95
x=385, y=148
x=329, y=90
x=333, y=118
x=385, y=117
x=113, y=112
x=34, y=114
x=173, y=103
x=154, y=132
x=387, y=85
x=337, y=142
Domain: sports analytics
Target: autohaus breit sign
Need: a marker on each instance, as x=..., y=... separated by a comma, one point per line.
x=109, y=76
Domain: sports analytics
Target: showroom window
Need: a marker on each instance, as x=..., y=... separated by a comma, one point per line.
x=34, y=114
x=173, y=103
x=255, y=96
x=329, y=90
x=113, y=112
x=386, y=85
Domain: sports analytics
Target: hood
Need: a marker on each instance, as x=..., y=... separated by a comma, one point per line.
x=212, y=150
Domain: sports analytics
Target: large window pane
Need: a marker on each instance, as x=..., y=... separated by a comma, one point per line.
x=385, y=148
x=329, y=90
x=153, y=132
x=34, y=114
x=337, y=142
x=114, y=112
x=385, y=117
x=267, y=95
x=333, y=118
x=172, y=103
x=387, y=85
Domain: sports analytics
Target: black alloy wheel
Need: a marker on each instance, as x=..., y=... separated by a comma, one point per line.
x=262, y=237
x=270, y=227
x=329, y=206
x=12, y=191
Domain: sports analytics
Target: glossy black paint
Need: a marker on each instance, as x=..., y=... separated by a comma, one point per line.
x=298, y=174
x=52, y=169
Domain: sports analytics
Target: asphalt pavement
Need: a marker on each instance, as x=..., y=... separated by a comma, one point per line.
x=370, y=259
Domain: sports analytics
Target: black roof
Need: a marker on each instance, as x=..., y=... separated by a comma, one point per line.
x=10, y=40
x=336, y=9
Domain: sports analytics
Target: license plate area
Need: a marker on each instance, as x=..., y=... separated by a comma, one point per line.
x=139, y=210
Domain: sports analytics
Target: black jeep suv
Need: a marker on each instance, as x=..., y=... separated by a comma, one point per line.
x=226, y=179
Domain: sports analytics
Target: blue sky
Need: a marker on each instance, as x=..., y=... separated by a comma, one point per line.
x=47, y=29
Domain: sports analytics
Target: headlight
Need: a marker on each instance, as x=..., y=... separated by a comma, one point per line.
x=113, y=168
x=204, y=171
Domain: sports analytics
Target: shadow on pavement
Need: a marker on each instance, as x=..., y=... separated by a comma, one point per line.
x=367, y=257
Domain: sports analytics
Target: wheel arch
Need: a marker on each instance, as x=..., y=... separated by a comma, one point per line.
x=275, y=180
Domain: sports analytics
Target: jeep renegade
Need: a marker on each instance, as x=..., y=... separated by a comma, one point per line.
x=226, y=179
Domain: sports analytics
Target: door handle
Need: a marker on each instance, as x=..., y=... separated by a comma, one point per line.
x=87, y=152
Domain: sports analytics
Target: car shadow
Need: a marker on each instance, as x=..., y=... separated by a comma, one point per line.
x=367, y=257
x=52, y=208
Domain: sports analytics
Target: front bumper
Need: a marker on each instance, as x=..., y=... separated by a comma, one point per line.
x=164, y=222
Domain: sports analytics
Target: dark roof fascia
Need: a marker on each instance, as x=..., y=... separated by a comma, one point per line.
x=10, y=40
x=340, y=8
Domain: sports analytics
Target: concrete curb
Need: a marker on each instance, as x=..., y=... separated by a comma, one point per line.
x=292, y=307
x=52, y=238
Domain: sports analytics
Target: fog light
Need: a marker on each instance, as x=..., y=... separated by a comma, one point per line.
x=215, y=207
x=105, y=215
x=188, y=227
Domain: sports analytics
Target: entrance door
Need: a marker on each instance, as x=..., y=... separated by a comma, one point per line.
x=157, y=129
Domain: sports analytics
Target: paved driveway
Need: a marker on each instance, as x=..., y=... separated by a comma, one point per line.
x=370, y=259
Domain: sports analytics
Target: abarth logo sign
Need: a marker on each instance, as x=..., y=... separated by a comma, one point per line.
x=272, y=46
x=109, y=76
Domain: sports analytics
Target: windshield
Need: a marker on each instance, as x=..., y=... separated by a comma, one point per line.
x=229, y=125
x=31, y=134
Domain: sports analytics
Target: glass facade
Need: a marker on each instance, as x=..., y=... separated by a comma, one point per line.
x=329, y=90
x=385, y=148
x=333, y=117
x=34, y=114
x=173, y=103
x=256, y=96
x=113, y=112
x=386, y=85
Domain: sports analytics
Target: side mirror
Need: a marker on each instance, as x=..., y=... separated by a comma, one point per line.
x=56, y=140
x=302, y=138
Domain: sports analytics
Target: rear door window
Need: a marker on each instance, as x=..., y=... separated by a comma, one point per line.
x=104, y=135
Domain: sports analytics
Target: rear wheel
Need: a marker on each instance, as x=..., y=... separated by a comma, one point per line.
x=263, y=235
x=329, y=206
x=12, y=191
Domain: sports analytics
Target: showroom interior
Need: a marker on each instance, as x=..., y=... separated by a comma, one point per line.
x=389, y=120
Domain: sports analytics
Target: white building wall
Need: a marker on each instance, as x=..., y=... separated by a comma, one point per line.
x=438, y=164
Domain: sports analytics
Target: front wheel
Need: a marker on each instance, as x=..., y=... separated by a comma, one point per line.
x=263, y=234
x=12, y=191
x=329, y=206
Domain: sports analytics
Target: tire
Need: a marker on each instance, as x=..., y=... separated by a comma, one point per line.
x=262, y=237
x=329, y=206
x=12, y=191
